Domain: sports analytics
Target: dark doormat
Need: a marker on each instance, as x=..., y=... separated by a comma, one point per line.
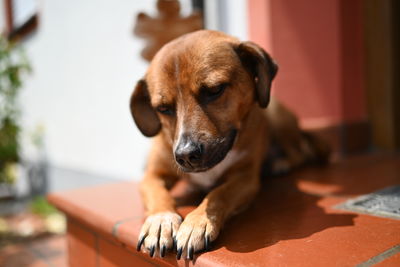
x=383, y=203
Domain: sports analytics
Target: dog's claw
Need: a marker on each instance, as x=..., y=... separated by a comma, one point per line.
x=140, y=243
x=179, y=253
x=157, y=232
x=190, y=253
x=152, y=250
x=174, y=243
x=206, y=243
x=162, y=251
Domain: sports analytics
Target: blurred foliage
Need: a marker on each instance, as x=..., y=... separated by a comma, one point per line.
x=13, y=65
x=40, y=206
x=9, y=172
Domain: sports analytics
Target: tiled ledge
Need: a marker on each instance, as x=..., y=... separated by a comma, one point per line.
x=292, y=223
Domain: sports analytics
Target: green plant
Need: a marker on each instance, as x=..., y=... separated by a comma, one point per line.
x=13, y=65
x=40, y=206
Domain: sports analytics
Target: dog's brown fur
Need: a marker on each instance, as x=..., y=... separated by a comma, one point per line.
x=210, y=89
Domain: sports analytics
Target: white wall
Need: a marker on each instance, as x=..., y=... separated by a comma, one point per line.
x=2, y=17
x=229, y=16
x=86, y=62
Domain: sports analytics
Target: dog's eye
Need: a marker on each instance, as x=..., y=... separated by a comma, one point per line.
x=212, y=93
x=166, y=110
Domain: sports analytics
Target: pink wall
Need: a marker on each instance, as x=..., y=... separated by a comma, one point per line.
x=318, y=47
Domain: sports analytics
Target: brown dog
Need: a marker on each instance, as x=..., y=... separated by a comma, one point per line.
x=203, y=98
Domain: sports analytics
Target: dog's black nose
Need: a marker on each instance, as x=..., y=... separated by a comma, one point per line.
x=188, y=154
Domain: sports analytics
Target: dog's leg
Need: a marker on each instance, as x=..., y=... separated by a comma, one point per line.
x=203, y=224
x=162, y=223
x=299, y=147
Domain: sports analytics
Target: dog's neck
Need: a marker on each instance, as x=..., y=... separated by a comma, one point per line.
x=253, y=122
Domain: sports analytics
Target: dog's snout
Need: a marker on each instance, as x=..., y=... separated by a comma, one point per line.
x=189, y=154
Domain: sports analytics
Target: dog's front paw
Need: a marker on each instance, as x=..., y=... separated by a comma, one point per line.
x=158, y=232
x=195, y=234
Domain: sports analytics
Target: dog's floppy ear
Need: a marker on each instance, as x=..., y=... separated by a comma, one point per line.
x=261, y=65
x=143, y=113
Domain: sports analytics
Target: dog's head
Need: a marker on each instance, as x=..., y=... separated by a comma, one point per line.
x=197, y=91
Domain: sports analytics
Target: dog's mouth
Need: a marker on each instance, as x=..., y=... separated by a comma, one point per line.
x=214, y=152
